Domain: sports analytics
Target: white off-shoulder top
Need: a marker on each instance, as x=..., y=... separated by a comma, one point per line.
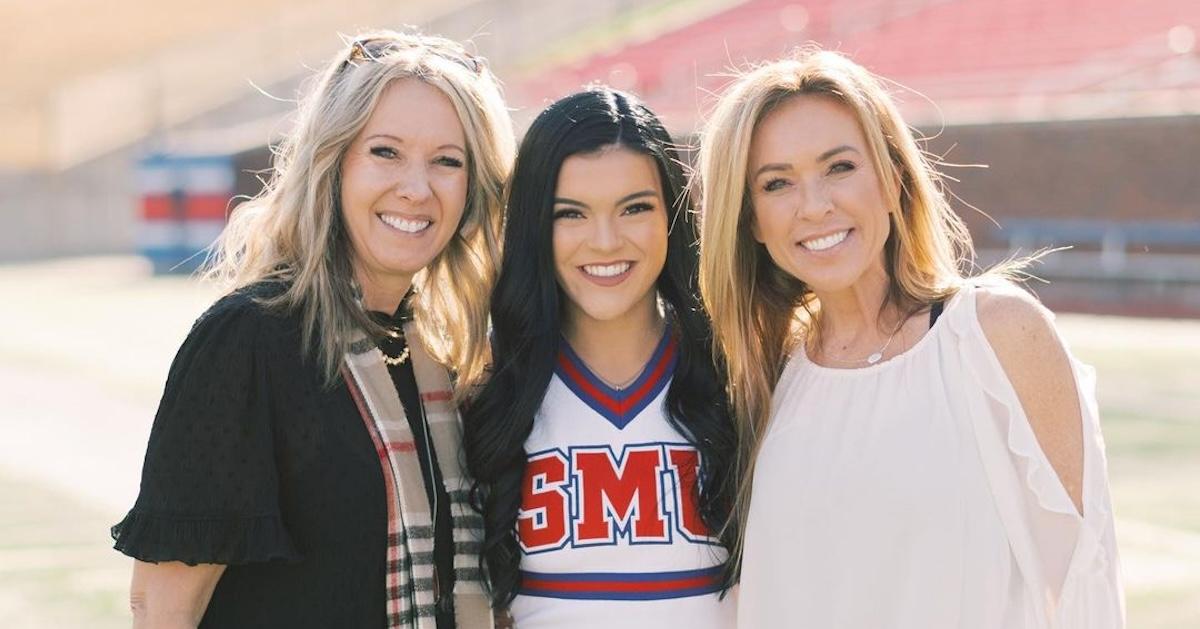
x=913, y=494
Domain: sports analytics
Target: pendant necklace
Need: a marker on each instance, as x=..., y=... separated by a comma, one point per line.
x=875, y=356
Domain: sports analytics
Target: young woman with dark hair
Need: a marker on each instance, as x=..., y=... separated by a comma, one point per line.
x=601, y=444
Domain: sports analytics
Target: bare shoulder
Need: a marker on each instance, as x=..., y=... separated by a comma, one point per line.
x=1022, y=334
x=1015, y=322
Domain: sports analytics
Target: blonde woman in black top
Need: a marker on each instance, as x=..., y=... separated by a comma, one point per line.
x=303, y=466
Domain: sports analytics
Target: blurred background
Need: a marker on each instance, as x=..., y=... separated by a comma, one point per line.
x=129, y=127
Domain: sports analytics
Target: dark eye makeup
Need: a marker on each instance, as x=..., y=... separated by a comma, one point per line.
x=567, y=213
x=638, y=208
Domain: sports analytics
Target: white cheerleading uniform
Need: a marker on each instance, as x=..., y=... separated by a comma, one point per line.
x=609, y=527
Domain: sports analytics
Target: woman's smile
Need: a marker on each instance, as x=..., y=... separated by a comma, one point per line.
x=608, y=274
x=406, y=225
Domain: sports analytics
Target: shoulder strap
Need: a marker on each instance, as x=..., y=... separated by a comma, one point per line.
x=935, y=311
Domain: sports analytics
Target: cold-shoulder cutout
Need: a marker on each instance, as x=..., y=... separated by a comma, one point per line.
x=1022, y=334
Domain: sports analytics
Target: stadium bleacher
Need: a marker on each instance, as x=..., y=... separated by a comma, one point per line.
x=1017, y=56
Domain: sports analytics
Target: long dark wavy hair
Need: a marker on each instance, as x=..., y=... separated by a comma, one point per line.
x=527, y=310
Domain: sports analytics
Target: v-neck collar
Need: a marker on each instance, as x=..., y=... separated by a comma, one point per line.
x=619, y=406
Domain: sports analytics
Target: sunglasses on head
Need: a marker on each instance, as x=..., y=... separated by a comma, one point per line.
x=375, y=48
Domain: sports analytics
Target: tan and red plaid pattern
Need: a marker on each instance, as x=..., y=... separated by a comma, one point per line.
x=410, y=566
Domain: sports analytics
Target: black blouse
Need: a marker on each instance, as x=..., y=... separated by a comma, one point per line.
x=254, y=463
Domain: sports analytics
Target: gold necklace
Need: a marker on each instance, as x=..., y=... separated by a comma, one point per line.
x=392, y=361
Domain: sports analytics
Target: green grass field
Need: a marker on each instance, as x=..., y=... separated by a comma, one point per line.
x=1149, y=392
x=88, y=343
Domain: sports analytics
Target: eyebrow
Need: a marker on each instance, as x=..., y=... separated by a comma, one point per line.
x=401, y=141
x=625, y=199
x=773, y=167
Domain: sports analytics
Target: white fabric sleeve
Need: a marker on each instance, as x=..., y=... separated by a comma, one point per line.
x=1069, y=560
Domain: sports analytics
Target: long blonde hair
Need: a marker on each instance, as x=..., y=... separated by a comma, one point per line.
x=293, y=231
x=758, y=310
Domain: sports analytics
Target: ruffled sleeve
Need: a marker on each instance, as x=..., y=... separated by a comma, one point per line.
x=210, y=490
x=1068, y=561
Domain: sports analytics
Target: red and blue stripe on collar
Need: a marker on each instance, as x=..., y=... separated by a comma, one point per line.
x=619, y=406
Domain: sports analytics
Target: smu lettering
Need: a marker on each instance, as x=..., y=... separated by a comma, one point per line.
x=591, y=496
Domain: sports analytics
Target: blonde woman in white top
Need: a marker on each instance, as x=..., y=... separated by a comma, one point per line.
x=919, y=448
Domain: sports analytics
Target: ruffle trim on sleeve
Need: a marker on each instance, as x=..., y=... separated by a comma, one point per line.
x=1092, y=596
x=985, y=370
x=1096, y=500
x=1091, y=588
x=220, y=540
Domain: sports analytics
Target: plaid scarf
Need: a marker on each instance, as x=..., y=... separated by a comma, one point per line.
x=410, y=564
